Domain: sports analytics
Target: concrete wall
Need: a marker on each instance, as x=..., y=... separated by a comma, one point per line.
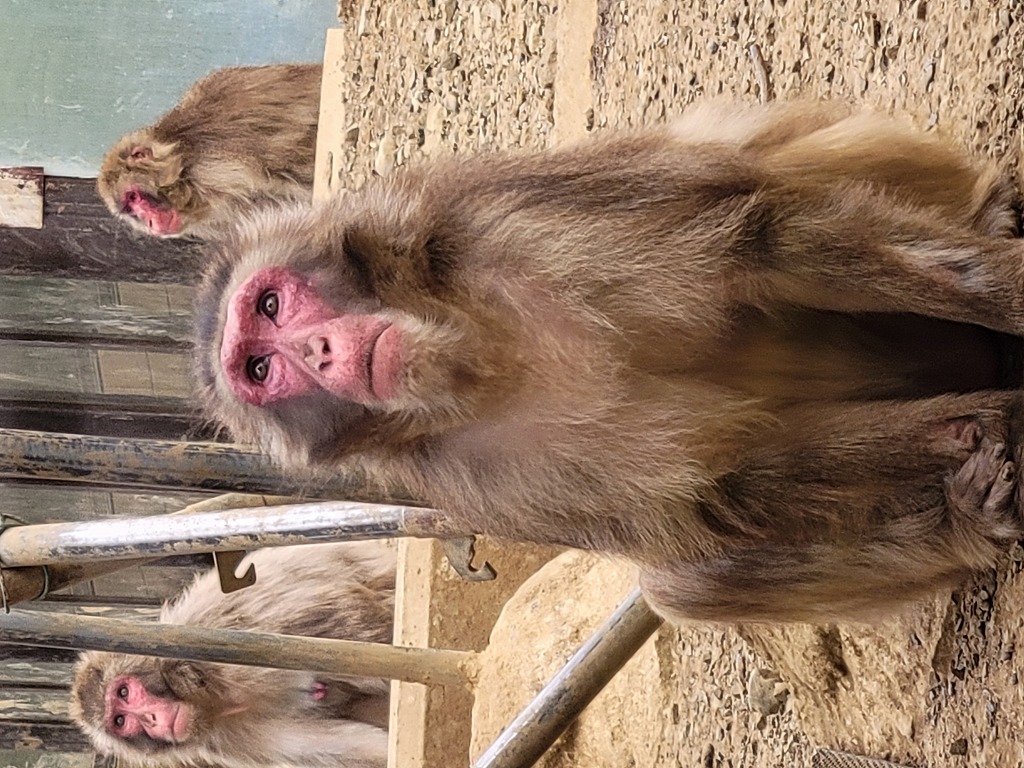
x=76, y=75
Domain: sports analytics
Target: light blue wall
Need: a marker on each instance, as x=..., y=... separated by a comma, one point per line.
x=75, y=75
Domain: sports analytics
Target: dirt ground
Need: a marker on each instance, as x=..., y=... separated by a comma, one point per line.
x=936, y=687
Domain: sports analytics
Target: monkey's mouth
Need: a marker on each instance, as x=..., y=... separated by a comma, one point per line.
x=179, y=725
x=159, y=218
x=381, y=362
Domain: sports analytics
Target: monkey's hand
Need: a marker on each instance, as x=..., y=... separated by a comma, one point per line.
x=981, y=493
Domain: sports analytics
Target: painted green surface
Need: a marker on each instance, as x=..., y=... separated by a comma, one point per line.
x=75, y=75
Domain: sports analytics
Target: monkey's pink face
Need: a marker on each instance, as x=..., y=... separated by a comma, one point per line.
x=282, y=340
x=158, y=218
x=132, y=712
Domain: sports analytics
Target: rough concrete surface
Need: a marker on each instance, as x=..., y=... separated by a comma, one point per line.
x=936, y=687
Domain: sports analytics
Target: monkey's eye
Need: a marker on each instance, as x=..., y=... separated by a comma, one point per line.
x=257, y=368
x=122, y=692
x=268, y=304
x=119, y=721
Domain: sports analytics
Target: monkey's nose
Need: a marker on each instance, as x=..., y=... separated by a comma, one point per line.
x=317, y=353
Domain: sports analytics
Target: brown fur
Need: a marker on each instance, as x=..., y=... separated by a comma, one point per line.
x=342, y=591
x=748, y=352
x=239, y=137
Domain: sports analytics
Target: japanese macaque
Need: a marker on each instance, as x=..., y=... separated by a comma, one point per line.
x=167, y=713
x=240, y=137
x=767, y=354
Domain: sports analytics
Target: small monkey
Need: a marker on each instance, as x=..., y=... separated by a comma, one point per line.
x=240, y=136
x=768, y=354
x=158, y=712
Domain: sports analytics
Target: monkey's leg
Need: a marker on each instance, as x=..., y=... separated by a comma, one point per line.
x=865, y=253
x=827, y=144
x=324, y=743
x=849, y=523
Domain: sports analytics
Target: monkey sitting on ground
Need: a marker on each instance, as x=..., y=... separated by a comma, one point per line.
x=154, y=711
x=750, y=352
x=239, y=137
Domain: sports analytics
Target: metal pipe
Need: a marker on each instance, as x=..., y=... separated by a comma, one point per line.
x=256, y=649
x=234, y=529
x=18, y=585
x=590, y=669
x=27, y=455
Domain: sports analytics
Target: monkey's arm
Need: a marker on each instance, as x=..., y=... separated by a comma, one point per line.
x=682, y=231
x=857, y=252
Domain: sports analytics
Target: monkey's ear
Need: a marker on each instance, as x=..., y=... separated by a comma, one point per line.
x=159, y=160
x=183, y=678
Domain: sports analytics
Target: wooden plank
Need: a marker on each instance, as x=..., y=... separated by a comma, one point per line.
x=35, y=674
x=109, y=609
x=158, y=418
x=11, y=652
x=69, y=312
x=22, y=758
x=48, y=737
x=80, y=238
x=41, y=504
x=65, y=599
x=154, y=583
x=21, y=197
x=18, y=704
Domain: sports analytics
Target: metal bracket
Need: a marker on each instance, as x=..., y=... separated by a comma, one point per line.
x=460, y=554
x=227, y=563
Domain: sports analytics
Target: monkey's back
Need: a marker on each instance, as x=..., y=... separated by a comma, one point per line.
x=316, y=579
x=264, y=115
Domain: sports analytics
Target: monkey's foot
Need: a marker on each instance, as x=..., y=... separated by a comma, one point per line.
x=982, y=491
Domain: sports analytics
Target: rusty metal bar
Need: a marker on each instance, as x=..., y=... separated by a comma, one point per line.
x=258, y=649
x=234, y=529
x=83, y=460
x=525, y=740
x=27, y=583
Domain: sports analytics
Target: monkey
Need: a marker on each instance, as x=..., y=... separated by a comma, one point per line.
x=240, y=136
x=159, y=712
x=709, y=348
